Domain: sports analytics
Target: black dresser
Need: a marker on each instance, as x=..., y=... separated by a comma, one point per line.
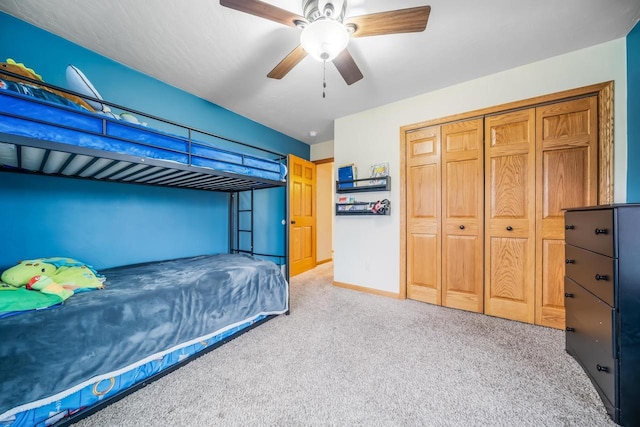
x=602, y=299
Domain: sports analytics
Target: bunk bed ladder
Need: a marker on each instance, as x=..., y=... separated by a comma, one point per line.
x=243, y=227
x=240, y=227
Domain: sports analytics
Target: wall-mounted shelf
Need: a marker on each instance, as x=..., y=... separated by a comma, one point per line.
x=380, y=183
x=363, y=208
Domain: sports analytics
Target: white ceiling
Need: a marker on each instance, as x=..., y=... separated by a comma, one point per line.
x=223, y=55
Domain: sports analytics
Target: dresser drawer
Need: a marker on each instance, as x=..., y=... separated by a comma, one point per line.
x=591, y=230
x=589, y=337
x=599, y=366
x=593, y=271
x=589, y=316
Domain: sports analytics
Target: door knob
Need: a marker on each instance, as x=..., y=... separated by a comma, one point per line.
x=569, y=227
x=293, y=221
x=601, y=231
x=462, y=227
x=602, y=277
x=568, y=295
x=509, y=228
x=569, y=261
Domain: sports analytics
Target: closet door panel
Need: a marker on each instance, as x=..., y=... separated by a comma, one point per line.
x=424, y=272
x=566, y=152
x=462, y=215
x=423, y=215
x=508, y=177
x=461, y=271
x=510, y=215
x=508, y=268
x=553, y=260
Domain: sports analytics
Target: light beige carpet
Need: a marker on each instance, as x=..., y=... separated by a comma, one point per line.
x=345, y=358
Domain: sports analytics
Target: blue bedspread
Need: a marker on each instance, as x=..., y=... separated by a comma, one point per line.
x=144, y=311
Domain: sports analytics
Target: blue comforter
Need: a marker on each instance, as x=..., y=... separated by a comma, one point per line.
x=144, y=310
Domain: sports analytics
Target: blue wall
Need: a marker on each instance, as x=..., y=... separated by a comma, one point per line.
x=108, y=224
x=633, y=115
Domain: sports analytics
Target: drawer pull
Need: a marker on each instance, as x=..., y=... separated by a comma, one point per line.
x=601, y=368
x=462, y=227
x=569, y=261
x=569, y=227
x=601, y=231
x=568, y=295
x=602, y=277
x=509, y=228
x=570, y=329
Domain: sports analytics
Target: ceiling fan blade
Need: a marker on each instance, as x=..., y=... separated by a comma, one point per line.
x=264, y=10
x=412, y=20
x=290, y=61
x=347, y=67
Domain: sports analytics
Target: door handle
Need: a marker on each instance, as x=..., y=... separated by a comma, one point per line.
x=509, y=228
x=462, y=227
x=293, y=221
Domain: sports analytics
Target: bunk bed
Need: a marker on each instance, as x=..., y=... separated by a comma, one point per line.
x=151, y=318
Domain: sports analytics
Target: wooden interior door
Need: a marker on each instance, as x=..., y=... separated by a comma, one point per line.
x=462, y=215
x=510, y=215
x=302, y=212
x=567, y=158
x=423, y=215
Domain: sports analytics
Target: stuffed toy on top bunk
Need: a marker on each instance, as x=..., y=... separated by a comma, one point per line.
x=36, y=90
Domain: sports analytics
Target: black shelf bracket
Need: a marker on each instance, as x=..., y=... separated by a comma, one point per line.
x=364, y=185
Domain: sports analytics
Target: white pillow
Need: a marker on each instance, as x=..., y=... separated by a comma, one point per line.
x=78, y=82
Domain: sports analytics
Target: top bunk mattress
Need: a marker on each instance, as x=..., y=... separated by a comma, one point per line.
x=144, y=312
x=40, y=123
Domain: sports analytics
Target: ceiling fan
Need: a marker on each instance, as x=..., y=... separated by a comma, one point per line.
x=326, y=31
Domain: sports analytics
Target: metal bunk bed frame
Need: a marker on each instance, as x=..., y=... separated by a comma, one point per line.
x=124, y=168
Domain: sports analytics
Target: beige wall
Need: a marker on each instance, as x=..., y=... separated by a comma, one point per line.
x=325, y=202
x=366, y=249
x=320, y=151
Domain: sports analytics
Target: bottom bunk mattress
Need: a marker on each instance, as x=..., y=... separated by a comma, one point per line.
x=149, y=317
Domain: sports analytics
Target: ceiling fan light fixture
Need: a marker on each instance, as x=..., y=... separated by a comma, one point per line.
x=324, y=39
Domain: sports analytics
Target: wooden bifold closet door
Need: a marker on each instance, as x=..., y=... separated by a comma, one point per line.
x=510, y=215
x=445, y=215
x=567, y=165
x=462, y=215
x=539, y=162
x=423, y=215
x=485, y=208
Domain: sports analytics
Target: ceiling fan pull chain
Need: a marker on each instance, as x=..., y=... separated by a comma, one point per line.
x=324, y=79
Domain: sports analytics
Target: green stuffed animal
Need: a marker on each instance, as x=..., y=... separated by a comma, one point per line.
x=71, y=274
